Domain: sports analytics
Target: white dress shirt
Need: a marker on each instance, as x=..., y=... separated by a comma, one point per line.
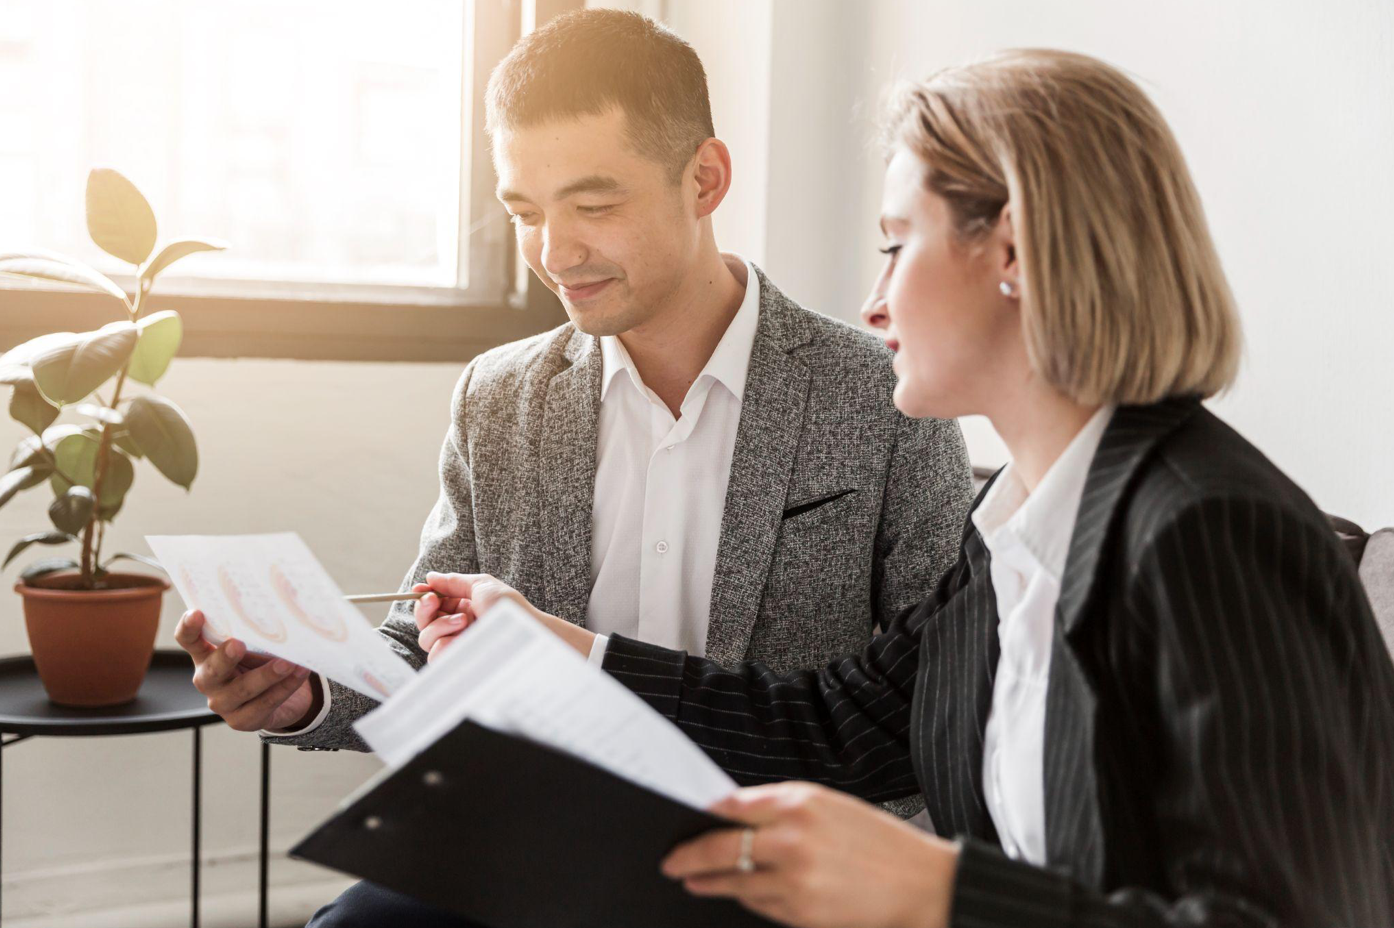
x=1028, y=537
x=660, y=489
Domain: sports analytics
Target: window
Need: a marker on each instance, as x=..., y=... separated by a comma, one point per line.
x=337, y=145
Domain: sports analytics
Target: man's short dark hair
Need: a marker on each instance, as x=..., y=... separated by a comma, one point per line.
x=587, y=62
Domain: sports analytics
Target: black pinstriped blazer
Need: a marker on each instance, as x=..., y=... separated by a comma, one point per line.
x=1219, y=745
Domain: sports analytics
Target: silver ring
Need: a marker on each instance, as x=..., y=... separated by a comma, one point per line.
x=744, y=863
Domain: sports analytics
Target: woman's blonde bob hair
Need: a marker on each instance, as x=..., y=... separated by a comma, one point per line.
x=1123, y=298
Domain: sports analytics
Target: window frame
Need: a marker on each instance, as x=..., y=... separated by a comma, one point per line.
x=226, y=318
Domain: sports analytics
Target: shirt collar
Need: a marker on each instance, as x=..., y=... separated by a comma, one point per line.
x=729, y=362
x=1042, y=522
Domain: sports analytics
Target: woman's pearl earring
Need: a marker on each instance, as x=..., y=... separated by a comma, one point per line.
x=1006, y=288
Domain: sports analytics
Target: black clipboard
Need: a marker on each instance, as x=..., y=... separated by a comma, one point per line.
x=512, y=834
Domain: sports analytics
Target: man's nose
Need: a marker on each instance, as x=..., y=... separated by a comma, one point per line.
x=561, y=250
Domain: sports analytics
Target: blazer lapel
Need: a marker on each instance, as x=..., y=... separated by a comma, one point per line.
x=1073, y=817
x=567, y=472
x=1132, y=433
x=767, y=438
x=958, y=666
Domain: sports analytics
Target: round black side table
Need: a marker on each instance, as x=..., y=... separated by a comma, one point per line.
x=167, y=701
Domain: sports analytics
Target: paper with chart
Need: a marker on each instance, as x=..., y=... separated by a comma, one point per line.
x=271, y=593
x=508, y=673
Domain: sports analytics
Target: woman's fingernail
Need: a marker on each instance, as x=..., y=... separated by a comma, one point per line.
x=457, y=620
x=281, y=667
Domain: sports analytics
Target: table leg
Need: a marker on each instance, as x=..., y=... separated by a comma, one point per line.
x=4, y=743
x=197, y=815
x=265, y=829
x=2, y=829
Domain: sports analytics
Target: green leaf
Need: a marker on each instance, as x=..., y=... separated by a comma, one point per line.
x=14, y=364
x=28, y=406
x=119, y=218
x=160, y=334
x=163, y=433
x=174, y=251
x=21, y=478
x=101, y=413
x=26, y=453
x=73, y=510
x=43, y=538
x=147, y=561
x=48, y=565
x=56, y=433
x=77, y=458
x=126, y=443
x=30, y=452
x=68, y=371
x=46, y=266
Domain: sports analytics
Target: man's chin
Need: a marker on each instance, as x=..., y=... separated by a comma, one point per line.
x=599, y=321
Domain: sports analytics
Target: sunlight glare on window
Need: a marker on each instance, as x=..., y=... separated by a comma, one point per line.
x=322, y=140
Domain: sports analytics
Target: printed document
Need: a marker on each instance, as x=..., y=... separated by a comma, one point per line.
x=271, y=593
x=508, y=673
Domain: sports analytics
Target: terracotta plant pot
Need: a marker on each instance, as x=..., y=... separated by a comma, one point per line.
x=92, y=647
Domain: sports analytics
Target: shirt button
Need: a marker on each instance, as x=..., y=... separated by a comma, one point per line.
x=661, y=547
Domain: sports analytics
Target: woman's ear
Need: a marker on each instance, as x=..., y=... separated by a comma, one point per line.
x=1004, y=250
x=711, y=172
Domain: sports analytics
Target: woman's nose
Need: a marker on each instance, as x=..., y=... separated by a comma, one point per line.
x=874, y=312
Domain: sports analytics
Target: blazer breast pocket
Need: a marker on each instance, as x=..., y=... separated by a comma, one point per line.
x=811, y=510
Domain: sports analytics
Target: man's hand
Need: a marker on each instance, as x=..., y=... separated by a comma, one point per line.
x=453, y=602
x=249, y=691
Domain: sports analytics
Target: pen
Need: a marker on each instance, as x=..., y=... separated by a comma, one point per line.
x=383, y=597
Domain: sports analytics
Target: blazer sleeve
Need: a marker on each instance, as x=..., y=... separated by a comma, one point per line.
x=928, y=491
x=846, y=725
x=448, y=546
x=1272, y=696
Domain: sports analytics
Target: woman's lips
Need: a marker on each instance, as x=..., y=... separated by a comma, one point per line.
x=893, y=344
x=585, y=291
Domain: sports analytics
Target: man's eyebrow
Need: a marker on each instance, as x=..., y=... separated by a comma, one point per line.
x=593, y=183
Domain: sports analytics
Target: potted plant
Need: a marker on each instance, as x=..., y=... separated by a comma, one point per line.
x=92, y=630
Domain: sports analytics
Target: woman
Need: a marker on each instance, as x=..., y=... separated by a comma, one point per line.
x=1151, y=692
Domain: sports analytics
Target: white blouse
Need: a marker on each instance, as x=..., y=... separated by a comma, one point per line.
x=1028, y=537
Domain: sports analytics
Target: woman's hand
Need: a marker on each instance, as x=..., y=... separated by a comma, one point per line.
x=454, y=601
x=822, y=860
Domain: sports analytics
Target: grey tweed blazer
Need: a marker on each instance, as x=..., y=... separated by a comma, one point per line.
x=840, y=512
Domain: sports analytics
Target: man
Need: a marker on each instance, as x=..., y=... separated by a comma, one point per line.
x=693, y=459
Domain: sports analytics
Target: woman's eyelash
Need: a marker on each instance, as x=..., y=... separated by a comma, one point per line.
x=889, y=250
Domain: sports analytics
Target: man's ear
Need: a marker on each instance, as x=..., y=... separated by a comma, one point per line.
x=710, y=173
